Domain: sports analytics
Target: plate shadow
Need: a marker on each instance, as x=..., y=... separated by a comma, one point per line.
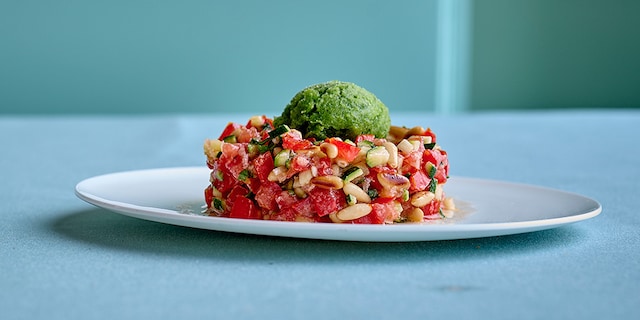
x=113, y=231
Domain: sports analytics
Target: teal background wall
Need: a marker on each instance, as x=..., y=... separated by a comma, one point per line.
x=555, y=54
x=144, y=56
x=140, y=56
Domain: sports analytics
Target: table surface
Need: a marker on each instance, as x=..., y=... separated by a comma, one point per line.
x=63, y=258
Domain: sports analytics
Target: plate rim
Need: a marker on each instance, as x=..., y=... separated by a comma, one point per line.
x=330, y=231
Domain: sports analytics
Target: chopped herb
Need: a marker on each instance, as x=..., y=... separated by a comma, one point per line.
x=429, y=145
x=218, y=175
x=217, y=204
x=244, y=175
x=432, y=185
x=351, y=199
x=431, y=169
x=405, y=195
x=373, y=193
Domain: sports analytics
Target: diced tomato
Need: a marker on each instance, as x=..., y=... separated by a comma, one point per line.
x=412, y=162
x=228, y=130
x=244, y=208
x=234, y=158
x=431, y=208
x=378, y=214
x=326, y=201
x=299, y=163
x=285, y=200
x=323, y=165
x=430, y=133
x=363, y=137
x=295, y=143
x=263, y=165
x=253, y=184
x=208, y=195
x=245, y=135
x=265, y=119
x=432, y=155
x=382, y=200
x=266, y=195
x=304, y=207
x=222, y=179
x=237, y=191
x=439, y=158
x=419, y=181
x=287, y=214
x=346, y=151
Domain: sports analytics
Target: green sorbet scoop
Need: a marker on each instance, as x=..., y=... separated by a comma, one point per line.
x=336, y=109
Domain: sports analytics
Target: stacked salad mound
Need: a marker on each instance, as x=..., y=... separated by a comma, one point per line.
x=327, y=169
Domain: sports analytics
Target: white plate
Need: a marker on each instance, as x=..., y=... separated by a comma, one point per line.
x=488, y=208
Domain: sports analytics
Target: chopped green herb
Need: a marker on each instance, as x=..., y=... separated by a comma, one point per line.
x=351, y=199
x=429, y=145
x=218, y=175
x=217, y=204
x=405, y=195
x=244, y=175
x=373, y=193
x=432, y=185
x=431, y=169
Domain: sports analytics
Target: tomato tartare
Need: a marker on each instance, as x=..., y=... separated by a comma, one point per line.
x=259, y=171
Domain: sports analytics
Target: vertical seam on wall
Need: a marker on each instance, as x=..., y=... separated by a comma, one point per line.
x=452, y=56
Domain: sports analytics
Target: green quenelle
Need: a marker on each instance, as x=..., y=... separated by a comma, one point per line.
x=336, y=109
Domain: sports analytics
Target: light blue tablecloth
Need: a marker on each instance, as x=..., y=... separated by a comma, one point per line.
x=61, y=258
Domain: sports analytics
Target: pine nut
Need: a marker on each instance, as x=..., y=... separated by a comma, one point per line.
x=449, y=204
x=353, y=212
x=328, y=182
x=391, y=180
x=422, y=198
x=278, y=174
x=257, y=121
x=393, y=154
x=334, y=217
x=415, y=131
x=330, y=149
x=415, y=215
x=305, y=177
x=398, y=132
x=354, y=190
